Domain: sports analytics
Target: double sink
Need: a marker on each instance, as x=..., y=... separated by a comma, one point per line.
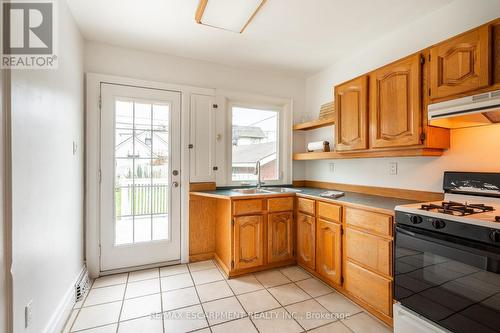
x=266, y=190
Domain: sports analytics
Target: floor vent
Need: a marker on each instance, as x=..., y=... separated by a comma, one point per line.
x=82, y=286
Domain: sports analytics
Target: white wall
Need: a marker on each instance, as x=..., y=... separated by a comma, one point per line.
x=414, y=173
x=107, y=59
x=47, y=180
x=5, y=244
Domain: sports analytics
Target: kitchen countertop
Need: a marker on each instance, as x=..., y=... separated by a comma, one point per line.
x=384, y=204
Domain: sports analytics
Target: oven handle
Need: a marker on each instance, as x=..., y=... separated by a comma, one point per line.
x=451, y=241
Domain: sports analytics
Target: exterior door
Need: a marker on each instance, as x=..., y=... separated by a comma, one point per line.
x=140, y=166
x=248, y=241
x=461, y=64
x=280, y=236
x=328, y=250
x=351, y=103
x=306, y=232
x=395, y=108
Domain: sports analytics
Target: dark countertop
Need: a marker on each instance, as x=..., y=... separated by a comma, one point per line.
x=386, y=204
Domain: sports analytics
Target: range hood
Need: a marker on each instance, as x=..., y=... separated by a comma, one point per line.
x=476, y=110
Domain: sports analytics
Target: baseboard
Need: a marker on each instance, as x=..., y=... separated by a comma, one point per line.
x=201, y=257
x=63, y=310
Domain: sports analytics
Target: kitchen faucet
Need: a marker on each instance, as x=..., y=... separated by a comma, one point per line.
x=257, y=172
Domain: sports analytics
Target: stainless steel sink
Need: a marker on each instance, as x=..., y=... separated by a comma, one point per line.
x=251, y=191
x=282, y=189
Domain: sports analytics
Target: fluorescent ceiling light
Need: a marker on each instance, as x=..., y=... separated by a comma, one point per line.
x=232, y=15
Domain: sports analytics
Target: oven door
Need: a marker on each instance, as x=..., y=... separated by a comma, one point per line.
x=451, y=281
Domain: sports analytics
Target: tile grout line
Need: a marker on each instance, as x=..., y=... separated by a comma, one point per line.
x=123, y=303
x=199, y=299
x=237, y=299
x=161, y=303
x=161, y=276
x=284, y=306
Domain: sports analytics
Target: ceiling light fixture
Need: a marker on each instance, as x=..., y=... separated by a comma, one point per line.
x=231, y=15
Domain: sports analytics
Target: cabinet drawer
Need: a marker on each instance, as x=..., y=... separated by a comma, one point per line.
x=244, y=207
x=280, y=204
x=369, y=287
x=370, y=251
x=306, y=206
x=329, y=211
x=373, y=222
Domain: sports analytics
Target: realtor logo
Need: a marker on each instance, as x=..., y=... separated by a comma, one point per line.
x=28, y=34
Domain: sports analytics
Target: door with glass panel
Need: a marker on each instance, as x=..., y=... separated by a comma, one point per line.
x=140, y=191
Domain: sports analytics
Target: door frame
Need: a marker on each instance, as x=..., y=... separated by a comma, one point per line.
x=92, y=151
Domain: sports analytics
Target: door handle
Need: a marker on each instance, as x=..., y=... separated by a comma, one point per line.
x=175, y=184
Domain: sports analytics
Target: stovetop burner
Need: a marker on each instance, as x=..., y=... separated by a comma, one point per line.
x=457, y=208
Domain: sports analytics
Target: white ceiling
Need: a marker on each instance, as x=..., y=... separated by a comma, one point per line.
x=299, y=37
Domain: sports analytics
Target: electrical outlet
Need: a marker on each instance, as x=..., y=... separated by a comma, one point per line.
x=331, y=166
x=28, y=314
x=75, y=147
x=393, y=168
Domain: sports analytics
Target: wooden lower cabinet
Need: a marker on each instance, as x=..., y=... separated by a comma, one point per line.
x=306, y=240
x=328, y=250
x=369, y=287
x=368, y=250
x=248, y=241
x=280, y=236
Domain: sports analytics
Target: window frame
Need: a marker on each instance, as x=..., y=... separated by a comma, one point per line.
x=283, y=140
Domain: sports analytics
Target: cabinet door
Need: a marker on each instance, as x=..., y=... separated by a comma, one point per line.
x=351, y=105
x=248, y=241
x=306, y=240
x=369, y=287
x=279, y=236
x=460, y=64
x=202, y=137
x=328, y=250
x=369, y=251
x=395, y=106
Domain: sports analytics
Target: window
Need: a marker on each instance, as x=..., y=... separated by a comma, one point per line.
x=255, y=138
x=141, y=172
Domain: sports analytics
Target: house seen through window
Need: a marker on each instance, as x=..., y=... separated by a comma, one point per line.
x=254, y=139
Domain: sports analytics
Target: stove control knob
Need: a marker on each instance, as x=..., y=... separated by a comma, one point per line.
x=495, y=236
x=415, y=219
x=438, y=224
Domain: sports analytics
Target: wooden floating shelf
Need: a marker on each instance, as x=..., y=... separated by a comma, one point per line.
x=314, y=124
x=334, y=155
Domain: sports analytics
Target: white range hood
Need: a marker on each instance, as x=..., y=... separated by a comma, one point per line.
x=476, y=110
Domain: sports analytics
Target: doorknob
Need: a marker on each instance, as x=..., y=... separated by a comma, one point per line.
x=175, y=184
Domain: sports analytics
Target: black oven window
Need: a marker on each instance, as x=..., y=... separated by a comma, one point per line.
x=457, y=296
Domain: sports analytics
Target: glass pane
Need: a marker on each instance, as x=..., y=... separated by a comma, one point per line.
x=142, y=116
x=141, y=172
x=124, y=143
x=160, y=145
x=124, y=114
x=160, y=117
x=254, y=139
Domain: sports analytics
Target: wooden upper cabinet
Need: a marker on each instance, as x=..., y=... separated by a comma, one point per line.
x=395, y=104
x=306, y=240
x=328, y=250
x=280, y=236
x=351, y=106
x=248, y=241
x=460, y=64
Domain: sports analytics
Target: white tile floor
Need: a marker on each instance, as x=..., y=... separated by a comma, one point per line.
x=197, y=297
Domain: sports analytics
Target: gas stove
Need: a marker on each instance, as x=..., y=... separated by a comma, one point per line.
x=447, y=256
x=458, y=208
x=477, y=204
